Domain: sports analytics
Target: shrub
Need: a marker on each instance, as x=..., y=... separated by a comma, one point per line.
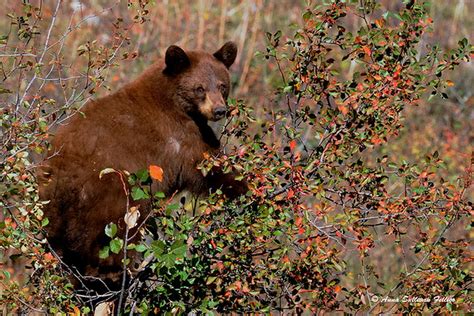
x=328, y=223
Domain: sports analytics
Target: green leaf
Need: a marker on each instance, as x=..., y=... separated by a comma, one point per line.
x=159, y=195
x=143, y=175
x=183, y=275
x=116, y=245
x=158, y=247
x=210, y=279
x=420, y=190
x=287, y=89
x=139, y=194
x=172, y=207
x=212, y=304
x=278, y=33
x=111, y=230
x=104, y=252
x=44, y=222
x=463, y=43
x=140, y=248
x=132, y=179
x=307, y=15
x=179, y=248
x=168, y=260
x=177, y=251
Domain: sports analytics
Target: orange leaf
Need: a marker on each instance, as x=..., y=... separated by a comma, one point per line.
x=299, y=221
x=48, y=257
x=76, y=311
x=344, y=110
x=376, y=140
x=238, y=285
x=156, y=172
x=367, y=50
x=220, y=266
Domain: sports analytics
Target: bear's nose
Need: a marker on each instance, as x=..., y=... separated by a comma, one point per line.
x=219, y=112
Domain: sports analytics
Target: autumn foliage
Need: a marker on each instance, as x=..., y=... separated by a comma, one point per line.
x=333, y=220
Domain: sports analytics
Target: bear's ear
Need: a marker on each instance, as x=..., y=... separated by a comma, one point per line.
x=227, y=54
x=176, y=60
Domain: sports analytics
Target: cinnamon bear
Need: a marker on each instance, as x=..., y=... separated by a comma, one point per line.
x=161, y=118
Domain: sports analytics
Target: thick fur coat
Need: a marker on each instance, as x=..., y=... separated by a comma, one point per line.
x=161, y=119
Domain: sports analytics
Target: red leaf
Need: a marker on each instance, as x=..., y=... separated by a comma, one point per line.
x=291, y=193
x=292, y=145
x=213, y=243
x=220, y=266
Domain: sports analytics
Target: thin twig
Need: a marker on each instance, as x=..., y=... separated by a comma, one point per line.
x=48, y=36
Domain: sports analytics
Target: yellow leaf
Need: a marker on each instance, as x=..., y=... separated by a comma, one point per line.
x=106, y=171
x=156, y=172
x=132, y=216
x=104, y=308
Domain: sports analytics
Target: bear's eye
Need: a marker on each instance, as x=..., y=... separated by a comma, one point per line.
x=200, y=90
x=223, y=88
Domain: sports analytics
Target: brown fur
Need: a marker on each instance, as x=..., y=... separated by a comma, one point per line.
x=160, y=119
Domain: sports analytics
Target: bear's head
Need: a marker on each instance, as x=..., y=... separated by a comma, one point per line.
x=203, y=81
